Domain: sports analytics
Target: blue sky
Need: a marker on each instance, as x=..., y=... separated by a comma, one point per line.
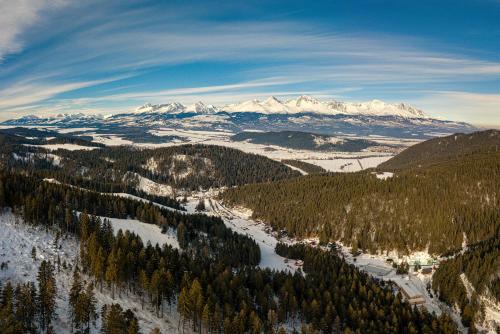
x=59, y=56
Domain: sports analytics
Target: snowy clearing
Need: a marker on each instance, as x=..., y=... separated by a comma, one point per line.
x=147, y=232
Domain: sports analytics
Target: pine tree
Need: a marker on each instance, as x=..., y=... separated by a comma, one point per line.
x=112, y=271
x=201, y=205
x=26, y=306
x=197, y=302
x=155, y=287
x=144, y=285
x=113, y=320
x=88, y=307
x=75, y=299
x=184, y=307
x=47, y=290
x=206, y=317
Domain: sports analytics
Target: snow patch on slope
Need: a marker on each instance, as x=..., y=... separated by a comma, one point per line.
x=16, y=243
x=148, y=186
x=147, y=232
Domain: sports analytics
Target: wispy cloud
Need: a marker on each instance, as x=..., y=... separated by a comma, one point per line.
x=32, y=91
x=16, y=17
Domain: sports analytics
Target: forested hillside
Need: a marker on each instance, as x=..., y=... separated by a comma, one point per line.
x=304, y=141
x=431, y=208
x=183, y=167
x=20, y=135
x=443, y=149
x=479, y=266
x=213, y=284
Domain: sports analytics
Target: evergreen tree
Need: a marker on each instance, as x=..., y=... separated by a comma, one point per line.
x=46, y=300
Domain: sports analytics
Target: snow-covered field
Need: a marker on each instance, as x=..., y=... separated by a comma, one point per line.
x=17, y=240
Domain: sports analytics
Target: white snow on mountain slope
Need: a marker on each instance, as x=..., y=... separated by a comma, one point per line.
x=177, y=108
x=307, y=103
x=302, y=104
x=61, y=118
x=246, y=106
x=16, y=243
x=172, y=108
x=201, y=108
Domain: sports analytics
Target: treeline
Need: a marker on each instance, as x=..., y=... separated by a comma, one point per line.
x=305, y=166
x=431, y=207
x=480, y=264
x=53, y=204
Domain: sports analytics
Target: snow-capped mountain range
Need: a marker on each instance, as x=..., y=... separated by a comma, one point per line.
x=301, y=114
x=302, y=104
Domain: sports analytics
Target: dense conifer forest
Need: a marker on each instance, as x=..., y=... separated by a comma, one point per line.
x=480, y=264
x=429, y=208
x=305, y=166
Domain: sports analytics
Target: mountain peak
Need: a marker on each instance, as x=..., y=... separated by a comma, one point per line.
x=201, y=108
x=306, y=99
x=272, y=99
